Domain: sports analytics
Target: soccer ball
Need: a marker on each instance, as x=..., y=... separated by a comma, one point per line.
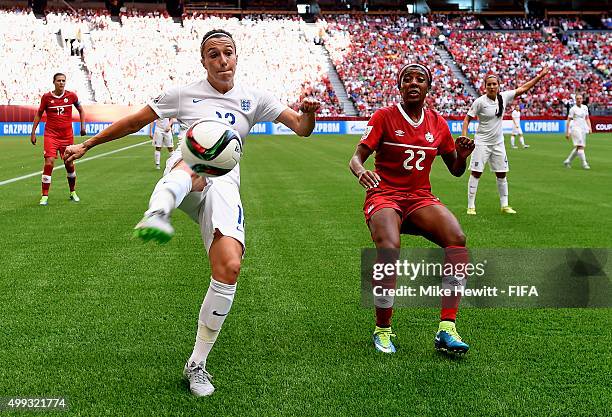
x=211, y=148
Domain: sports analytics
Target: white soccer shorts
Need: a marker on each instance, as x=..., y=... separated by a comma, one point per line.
x=495, y=155
x=162, y=139
x=516, y=130
x=578, y=137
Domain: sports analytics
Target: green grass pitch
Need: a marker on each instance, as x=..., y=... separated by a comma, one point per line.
x=93, y=315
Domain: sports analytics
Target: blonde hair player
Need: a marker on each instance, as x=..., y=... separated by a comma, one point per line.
x=215, y=204
x=577, y=127
x=489, y=138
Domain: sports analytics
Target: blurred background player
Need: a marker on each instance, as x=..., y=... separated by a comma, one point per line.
x=213, y=203
x=516, y=128
x=577, y=126
x=407, y=138
x=161, y=135
x=489, y=138
x=58, y=133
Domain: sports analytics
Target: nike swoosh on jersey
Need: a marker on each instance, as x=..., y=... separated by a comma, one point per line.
x=195, y=100
x=214, y=313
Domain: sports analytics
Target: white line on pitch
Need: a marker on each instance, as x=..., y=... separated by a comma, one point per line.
x=78, y=161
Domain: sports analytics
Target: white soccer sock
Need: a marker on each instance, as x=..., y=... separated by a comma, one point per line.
x=157, y=157
x=582, y=157
x=522, y=140
x=472, y=188
x=571, y=156
x=170, y=191
x=502, y=188
x=215, y=308
x=512, y=141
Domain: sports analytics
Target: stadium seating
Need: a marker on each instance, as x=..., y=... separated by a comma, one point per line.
x=148, y=53
x=368, y=51
x=31, y=55
x=518, y=56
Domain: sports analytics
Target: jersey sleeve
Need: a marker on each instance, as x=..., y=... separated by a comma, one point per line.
x=473, y=111
x=373, y=131
x=268, y=108
x=43, y=104
x=447, y=144
x=76, y=100
x=572, y=114
x=508, y=96
x=167, y=104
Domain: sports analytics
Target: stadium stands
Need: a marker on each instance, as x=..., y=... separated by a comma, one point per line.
x=368, y=51
x=147, y=53
x=518, y=56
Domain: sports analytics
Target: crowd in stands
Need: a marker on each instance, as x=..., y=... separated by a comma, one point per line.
x=131, y=62
x=533, y=23
x=368, y=51
x=517, y=57
x=31, y=55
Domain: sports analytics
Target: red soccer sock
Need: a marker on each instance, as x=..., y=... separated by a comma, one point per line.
x=71, y=176
x=383, y=316
x=46, y=178
x=454, y=255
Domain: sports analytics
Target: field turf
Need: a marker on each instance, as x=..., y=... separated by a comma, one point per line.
x=90, y=314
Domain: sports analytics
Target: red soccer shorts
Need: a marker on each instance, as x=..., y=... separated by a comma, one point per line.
x=403, y=202
x=53, y=145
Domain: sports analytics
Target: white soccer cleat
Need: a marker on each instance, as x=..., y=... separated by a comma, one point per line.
x=154, y=226
x=586, y=167
x=515, y=147
x=525, y=146
x=157, y=167
x=199, y=379
x=567, y=164
x=471, y=211
x=74, y=197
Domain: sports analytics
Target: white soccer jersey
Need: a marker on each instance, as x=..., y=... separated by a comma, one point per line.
x=240, y=108
x=163, y=124
x=489, y=130
x=516, y=116
x=578, y=117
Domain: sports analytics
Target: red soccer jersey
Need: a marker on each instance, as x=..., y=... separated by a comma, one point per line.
x=59, y=114
x=405, y=150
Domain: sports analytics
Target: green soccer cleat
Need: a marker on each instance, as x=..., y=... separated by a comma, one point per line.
x=154, y=226
x=382, y=339
x=507, y=210
x=74, y=197
x=44, y=200
x=471, y=211
x=448, y=340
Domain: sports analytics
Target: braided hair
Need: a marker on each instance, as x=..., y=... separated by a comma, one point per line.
x=500, y=100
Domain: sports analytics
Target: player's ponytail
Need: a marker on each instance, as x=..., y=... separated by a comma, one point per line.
x=500, y=106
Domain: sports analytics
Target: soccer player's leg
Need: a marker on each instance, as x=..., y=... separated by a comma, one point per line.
x=157, y=143
x=222, y=229
x=384, y=221
x=437, y=224
x=499, y=164
x=478, y=160
x=51, y=148
x=580, y=143
x=178, y=181
x=70, y=176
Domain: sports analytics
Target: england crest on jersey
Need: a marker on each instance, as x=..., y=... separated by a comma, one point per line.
x=245, y=105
